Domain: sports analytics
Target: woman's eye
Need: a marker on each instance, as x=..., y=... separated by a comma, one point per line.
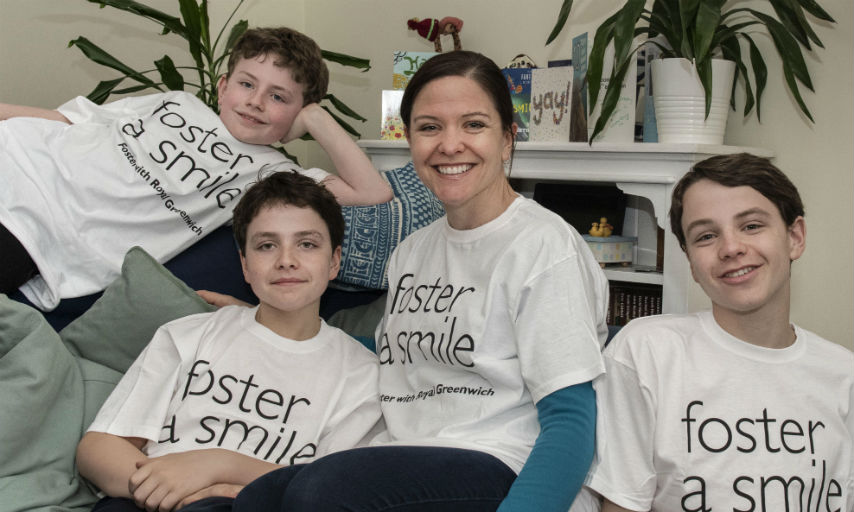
x=476, y=125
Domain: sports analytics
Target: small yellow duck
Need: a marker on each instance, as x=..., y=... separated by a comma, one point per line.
x=596, y=230
x=606, y=228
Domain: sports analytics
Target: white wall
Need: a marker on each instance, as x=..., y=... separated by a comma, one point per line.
x=39, y=70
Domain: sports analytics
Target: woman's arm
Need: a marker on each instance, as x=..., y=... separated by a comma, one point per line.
x=562, y=453
x=8, y=111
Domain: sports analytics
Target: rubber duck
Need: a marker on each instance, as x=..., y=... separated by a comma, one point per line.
x=596, y=230
x=606, y=228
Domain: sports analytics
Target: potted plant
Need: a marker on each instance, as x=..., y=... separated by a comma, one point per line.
x=208, y=56
x=700, y=31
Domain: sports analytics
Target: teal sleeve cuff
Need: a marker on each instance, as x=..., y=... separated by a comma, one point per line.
x=562, y=453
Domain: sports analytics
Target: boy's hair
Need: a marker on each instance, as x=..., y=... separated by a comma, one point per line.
x=741, y=169
x=283, y=189
x=292, y=50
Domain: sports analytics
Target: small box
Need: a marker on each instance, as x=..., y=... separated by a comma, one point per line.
x=611, y=249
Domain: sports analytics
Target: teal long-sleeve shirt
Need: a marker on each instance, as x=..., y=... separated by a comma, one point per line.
x=562, y=453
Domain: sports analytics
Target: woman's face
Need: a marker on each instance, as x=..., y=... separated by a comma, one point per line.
x=459, y=147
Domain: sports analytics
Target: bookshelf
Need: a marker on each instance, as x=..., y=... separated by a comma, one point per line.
x=646, y=172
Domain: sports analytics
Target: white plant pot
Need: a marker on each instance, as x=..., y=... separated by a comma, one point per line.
x=680, y=102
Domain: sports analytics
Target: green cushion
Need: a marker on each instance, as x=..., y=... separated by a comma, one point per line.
x=121, y=323
x=42, y=404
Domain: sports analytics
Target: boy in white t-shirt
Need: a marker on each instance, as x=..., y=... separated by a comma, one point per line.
x=736, y=408
x=218, y=399
x=82, y=184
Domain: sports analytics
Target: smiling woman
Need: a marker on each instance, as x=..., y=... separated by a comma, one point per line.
x=490, y=338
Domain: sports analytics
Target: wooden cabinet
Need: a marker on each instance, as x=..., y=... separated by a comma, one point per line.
x=646, y=172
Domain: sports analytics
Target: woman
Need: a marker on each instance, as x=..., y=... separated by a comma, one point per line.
x=490, y=336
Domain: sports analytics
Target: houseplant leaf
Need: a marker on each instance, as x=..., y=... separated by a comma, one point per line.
x=169, y=75
x=170, y=23
x=347, y=60
x=344, y=109
x=561, y=20
x=98, y=55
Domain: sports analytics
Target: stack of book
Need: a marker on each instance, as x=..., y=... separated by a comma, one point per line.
x=628, y=301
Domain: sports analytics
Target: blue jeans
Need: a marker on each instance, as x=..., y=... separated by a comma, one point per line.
x=385, y=478
x=215, y=504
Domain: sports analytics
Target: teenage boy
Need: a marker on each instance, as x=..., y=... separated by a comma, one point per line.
x=84, y=183
x=218, y=399
x=736, y=408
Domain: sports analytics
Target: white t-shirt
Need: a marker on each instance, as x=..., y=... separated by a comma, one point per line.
x=222, y=380
x=158, y=171
x=691, y=418
x=481, y=324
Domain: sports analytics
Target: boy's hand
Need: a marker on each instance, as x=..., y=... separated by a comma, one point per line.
x=225, y=490
x=303, y=122
x=160, y=483
x=220, y=299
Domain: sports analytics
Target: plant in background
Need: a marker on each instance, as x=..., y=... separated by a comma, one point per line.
x=209, y=57
x=699, y=30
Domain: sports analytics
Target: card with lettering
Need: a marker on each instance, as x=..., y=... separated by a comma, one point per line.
x=551, y=100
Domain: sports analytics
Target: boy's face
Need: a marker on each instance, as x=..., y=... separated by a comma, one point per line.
x=289, y=261
x=259, y=101
x=739, y=248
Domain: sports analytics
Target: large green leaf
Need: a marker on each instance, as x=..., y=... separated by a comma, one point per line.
x=595, y=62
x=707, y=22
x=170, y=23
x=787, y=47
x=760, y=71
x=347, y=60
x=344, y=109
x=732, y=51
x=349, y=129
x=98, y=55
x=103, y=90
x=624, y=28
x=687, y=13
x=169, y=75
x=561, y=20
x=813, y=8
x=704, y=71
x=191, y=14
x=792, y=17
x=612, y=96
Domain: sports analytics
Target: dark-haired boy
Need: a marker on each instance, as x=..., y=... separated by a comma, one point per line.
x=218, y=399
x=736, y=408
x=83, y=184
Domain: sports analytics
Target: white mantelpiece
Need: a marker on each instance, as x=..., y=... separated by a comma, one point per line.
x=645, y=170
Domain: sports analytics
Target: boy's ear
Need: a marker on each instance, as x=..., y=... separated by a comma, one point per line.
x=220, y=85
x=243, y=267
x=335, y=264
x=797, y=232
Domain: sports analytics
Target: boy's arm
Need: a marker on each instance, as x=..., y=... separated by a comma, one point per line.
x=608, y=506
x=8, y=111
x=166, y=481
x=108, y=461
x=358, y=182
